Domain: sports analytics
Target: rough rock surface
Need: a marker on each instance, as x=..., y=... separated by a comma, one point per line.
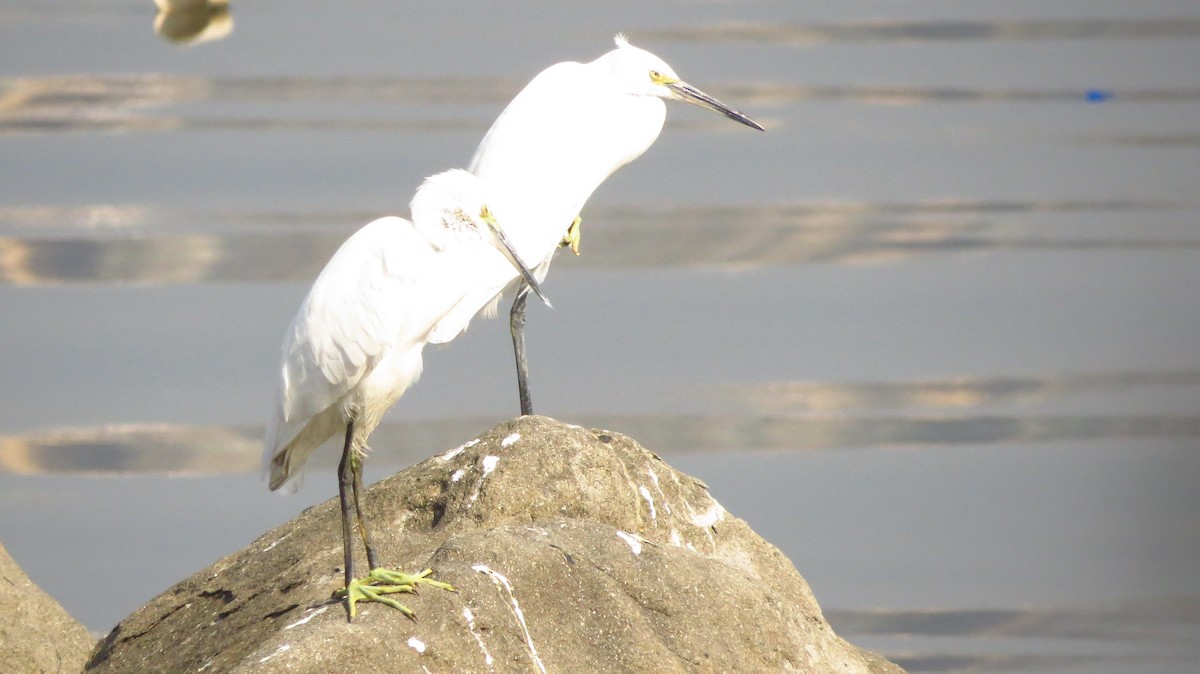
x=572, y=550
x=36, y=633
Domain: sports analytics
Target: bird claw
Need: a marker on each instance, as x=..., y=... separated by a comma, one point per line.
x=380, y=582
x=390, y=577
x=571, y=238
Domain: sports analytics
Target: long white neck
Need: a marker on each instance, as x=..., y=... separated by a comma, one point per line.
x=562, y=136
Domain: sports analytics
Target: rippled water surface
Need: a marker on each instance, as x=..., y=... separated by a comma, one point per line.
x=935, y=334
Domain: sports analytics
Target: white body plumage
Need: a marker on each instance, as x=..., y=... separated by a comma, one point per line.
x=354, y=347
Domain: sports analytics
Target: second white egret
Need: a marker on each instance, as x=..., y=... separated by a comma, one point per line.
x=567, y=131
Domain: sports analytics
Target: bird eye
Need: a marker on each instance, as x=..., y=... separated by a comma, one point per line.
x=660, y=78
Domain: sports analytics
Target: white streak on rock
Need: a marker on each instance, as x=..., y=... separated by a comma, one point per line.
x=487, y=657
x=502, y=583
x=666, y=503
x=507, y=442
x=276, y=542
x=307, y=618
x=634, y=543
x=706, y=519
x=489, y=463
x=282, y=649
x=451, y=453
x=813, y=654
x=650, y=502
x=416, y=644
x=457, y=475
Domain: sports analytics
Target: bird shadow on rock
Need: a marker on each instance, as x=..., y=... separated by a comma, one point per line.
x=570, y=549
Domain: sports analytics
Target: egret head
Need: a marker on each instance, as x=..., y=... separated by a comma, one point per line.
x=644, y=74
x=451, y=211
x=453, y=200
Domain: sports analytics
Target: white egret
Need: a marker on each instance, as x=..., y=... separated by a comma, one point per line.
x=355, y=345
x=569, y=129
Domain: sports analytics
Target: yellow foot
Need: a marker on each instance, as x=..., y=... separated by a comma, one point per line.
x=571, y=238
x=380, y=582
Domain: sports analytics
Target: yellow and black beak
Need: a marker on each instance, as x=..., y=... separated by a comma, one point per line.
x=685, y=92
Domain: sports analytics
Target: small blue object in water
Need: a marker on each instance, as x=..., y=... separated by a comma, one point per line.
x=1098, y=95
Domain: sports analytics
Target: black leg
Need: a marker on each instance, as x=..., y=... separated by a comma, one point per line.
x=516, y=325
x=378, y=582
x=345, y=485
x=356, y=465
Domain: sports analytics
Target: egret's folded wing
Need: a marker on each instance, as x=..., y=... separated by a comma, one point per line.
x=455, y=322
x=490, y=275
x=360, y=305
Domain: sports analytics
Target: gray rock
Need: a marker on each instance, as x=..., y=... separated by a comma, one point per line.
x=37, y=635
x=572, y=550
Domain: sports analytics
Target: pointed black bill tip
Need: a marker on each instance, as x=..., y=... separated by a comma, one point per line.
x=511, y=253
x=742, y=118
x=689, y=94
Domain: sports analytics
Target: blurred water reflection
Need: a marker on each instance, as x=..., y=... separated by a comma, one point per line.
x=157, y=102
x=131, y=450
x=968, y=393
x=166, y=450
x=140, y=244
x=1148, y=620
x=883, y=30
x=1144, y=631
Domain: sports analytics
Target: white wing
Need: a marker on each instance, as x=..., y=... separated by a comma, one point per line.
x=376, y=293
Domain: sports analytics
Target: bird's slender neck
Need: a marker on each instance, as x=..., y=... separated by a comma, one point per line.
x=541, y=184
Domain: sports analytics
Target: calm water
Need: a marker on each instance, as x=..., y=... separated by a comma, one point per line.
x=936, y=334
